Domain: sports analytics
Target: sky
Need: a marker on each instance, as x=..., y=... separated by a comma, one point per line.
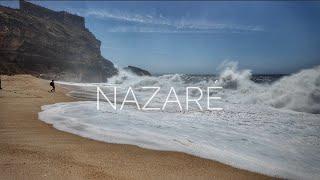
x=196, y=37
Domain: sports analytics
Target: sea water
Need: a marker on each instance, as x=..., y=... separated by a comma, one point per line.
x=269, y=124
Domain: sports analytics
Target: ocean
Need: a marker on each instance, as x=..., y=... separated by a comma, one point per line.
x=269, y=124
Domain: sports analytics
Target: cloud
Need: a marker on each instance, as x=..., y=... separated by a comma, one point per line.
x=133, y=22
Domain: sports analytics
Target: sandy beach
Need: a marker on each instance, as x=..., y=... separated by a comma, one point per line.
x=31, y=149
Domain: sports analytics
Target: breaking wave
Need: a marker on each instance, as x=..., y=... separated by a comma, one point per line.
x=271, y=127
x=298, y=92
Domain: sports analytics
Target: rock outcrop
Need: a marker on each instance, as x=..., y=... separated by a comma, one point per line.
x=137, y=71
x=54, y=45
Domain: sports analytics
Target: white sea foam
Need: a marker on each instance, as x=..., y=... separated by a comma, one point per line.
x=298, y=92
x=268, y=128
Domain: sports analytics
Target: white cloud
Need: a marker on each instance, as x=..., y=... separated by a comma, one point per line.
x=159, y=23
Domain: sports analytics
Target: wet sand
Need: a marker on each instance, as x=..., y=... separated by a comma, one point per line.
x=31, y=149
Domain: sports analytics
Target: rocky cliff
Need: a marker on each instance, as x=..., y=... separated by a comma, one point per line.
x=137, y=71
x=54, y=45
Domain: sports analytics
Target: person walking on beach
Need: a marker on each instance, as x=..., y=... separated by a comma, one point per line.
x=53, y=87
x=0, y=83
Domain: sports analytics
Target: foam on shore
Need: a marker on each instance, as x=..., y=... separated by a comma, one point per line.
x=263, y=128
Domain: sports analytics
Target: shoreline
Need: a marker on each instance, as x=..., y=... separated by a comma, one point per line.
x=31, y=148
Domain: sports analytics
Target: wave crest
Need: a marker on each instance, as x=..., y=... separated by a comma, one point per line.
x=232, y=78
x=298, y=92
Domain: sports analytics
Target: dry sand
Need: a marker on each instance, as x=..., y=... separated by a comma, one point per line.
x=31, y=149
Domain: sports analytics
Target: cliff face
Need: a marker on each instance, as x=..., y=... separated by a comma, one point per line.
x=54, y=45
